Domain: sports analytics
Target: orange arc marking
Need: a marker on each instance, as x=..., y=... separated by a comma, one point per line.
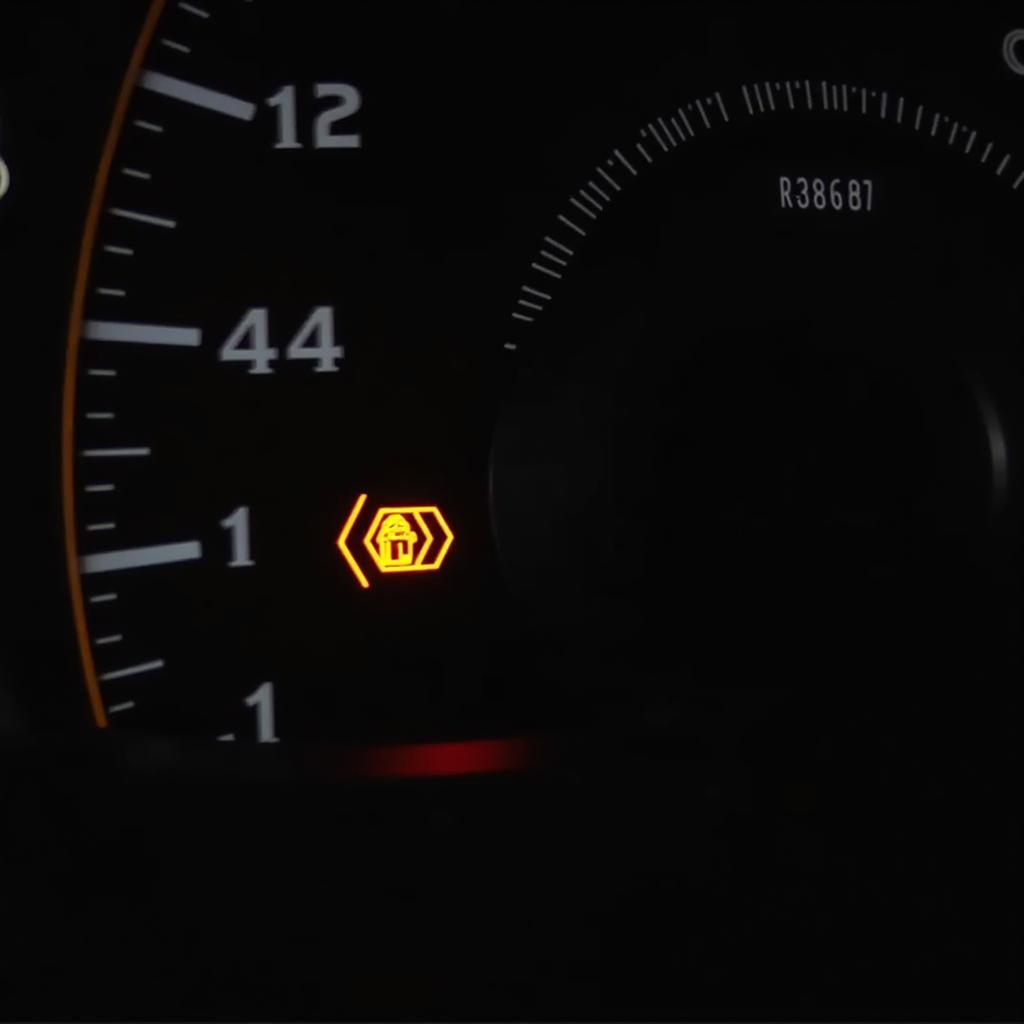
x=92, y=218
x=343, y=545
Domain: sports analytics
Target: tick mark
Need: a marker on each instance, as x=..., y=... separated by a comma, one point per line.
x=116, y=453
x=141, y=558
x=142, y=218
x=134, y=670
x=142, y=334
x=197, y=95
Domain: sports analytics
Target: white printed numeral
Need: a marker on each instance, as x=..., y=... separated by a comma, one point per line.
x=238, y=525
x=315, y=340
x=249, y=342
x=348, y=101
x=262, y=699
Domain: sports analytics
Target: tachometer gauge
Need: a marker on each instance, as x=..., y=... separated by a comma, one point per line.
x=424, y=386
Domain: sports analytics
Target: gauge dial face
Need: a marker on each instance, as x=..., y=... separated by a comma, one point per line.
x=417, y=392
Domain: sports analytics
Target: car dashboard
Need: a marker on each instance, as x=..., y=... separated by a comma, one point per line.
x=512, y=510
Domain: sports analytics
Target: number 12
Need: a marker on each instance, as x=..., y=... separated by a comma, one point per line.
x=349, y=100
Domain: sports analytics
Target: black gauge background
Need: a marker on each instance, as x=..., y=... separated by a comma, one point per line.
x=845, y=853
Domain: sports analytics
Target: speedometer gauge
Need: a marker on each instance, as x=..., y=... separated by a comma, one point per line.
x=417, y=393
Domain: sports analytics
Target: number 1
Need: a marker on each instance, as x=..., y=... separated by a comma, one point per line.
x=287, y=122
x=238, y=524
x=262, y=699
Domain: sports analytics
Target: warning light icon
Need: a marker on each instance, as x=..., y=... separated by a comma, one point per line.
x=394, y=541
x=409, y=538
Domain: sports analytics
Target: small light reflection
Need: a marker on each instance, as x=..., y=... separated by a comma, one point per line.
x=996, y=445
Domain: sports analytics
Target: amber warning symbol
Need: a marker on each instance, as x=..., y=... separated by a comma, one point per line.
x=407, y=538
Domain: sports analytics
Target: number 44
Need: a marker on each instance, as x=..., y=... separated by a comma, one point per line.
x=249, y=342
